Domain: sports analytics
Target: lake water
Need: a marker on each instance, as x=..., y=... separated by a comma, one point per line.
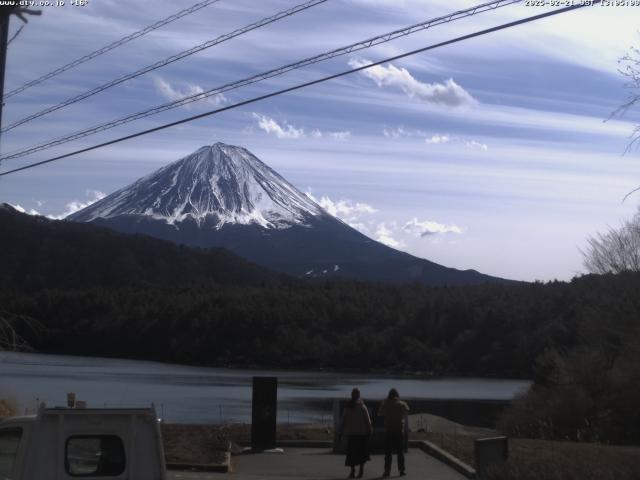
x=210, y=395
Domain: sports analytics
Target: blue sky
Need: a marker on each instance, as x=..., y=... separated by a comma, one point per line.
x=490, y=154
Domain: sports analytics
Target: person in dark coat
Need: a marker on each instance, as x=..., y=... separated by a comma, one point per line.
x=394, y=412
x=356, y=426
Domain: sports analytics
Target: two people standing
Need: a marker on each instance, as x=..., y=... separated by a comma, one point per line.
x=356, y=426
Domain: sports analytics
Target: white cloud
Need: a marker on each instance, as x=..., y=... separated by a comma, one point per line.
x=21, y=209
x=437, y=139
x=345, y=208
x=427, y=227
x=342, y=208
x=269, y=125
x=362, y=217
x=361, y=227
x=432, y=139
x=71, y=207
x=76, y=205
x=288, y=131
x=396, y=132
x=385, y=235
x=171, y=93
x=474, y=144
x=448, y=93
x=349, y=212
x=340, y=136
x=402, y=132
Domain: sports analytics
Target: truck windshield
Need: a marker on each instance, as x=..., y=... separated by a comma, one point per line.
x=9, y=442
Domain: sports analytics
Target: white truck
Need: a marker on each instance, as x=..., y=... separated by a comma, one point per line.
x=91, y=444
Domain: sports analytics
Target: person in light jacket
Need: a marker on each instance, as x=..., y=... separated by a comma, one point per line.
x=394, y=412
x=356, y=426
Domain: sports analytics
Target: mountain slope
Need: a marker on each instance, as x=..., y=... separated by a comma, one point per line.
x=36, y=252
x=222, y=195
x=218, y=184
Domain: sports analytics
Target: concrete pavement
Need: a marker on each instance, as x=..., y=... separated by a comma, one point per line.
x=320, y=464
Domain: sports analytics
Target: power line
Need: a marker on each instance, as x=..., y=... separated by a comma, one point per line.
x=111, y=46
x=307, y=84
x=387, y=37
x=186, y=53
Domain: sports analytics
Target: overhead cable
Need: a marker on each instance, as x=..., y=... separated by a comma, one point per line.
x=222, y=38
x=387, y=37
x=109, y=47
x=307, y=84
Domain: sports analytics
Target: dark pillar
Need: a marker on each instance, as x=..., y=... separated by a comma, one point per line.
x=489, y=451
x=264, y=411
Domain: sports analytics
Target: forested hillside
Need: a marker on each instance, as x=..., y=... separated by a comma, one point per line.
x=37, y=253
x=485, y=330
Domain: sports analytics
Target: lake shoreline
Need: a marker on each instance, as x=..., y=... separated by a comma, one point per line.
x=395, y=373
x=199, y=394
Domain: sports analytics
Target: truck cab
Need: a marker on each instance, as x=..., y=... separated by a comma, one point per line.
x=92, y=444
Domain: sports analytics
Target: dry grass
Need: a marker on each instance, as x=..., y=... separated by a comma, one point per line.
x=241, y=433
x=8, y=408
x=206, y=444
x=548, y=460
x=195, y=444
x=460, y=446
x=453, y=437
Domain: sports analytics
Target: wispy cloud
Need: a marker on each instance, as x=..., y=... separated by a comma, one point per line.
x=426, y=228
x=71, y=207
x=342, y=208
x=340, y=136
x=475, y=144
x=366, y=219
x=449, y=93
x=385, y=235
x=433, y=139
x=172, y=93
x=76, y=205
x=285, y=130
x=21, y=209
x=437, y=139
x=350, y=212
x=270, y=126
x=399, y=132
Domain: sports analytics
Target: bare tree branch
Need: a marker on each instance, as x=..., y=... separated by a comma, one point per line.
x=10, y=339
x=615, y=251
x=629, y=67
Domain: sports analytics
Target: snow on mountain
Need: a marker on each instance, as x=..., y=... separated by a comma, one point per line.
x=223, y=196
x=223, y=183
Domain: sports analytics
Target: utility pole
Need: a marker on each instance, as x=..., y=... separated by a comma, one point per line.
x=4, y=37
x=5, y=15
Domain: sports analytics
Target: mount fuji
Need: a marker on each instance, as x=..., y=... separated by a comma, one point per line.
x=224, y=196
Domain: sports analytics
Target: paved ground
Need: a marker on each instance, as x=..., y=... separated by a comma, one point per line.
x=319, y=464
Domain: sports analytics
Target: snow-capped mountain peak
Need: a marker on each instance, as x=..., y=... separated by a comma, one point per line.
x=221, y=183
x=223, y=196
